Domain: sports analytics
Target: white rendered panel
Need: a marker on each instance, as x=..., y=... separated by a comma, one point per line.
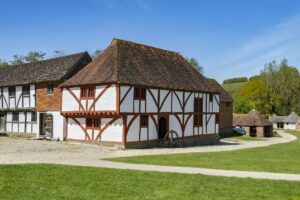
x=74, y=130
x=133, y=132
x=127, y=105
x=114, y=132
x=151, y=106
x=175, y=125
x=152, y=128
x=108, y=100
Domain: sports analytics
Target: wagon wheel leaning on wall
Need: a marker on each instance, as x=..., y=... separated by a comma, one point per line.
x=169, y=140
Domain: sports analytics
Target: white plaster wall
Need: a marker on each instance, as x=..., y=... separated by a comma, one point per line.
x=190, y=103
x=275, y=125
x=32, y=96
x=74, y=130
x=216, y=99
x=144, y=134
x=68, y=101
x=127, y=105
x=151, y=106
x=176, y=103
x=18, y=96
x=165, y=106
x=289, y=126
x=211, y=124
x=114, y=132
x=175, y=124
x=58, y=125
x=189, y=127
x=152, y=128
x=108, y=100
x=133, y=132
x=5, y=95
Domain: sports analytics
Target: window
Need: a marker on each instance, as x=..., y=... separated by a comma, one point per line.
x=89, y=123
x=144, y=121
x=97, y=123
x=15, y=117
x=12, y=91
x=211, y=96
x=26, y=90
x=217, y=118
x=93, y=123
x=33, y=116
x=198, y=119
x=50, y=89
x=139, y=93
x=198, y=116
x=87, y=93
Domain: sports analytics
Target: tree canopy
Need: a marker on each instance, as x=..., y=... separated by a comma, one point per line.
x=235, y=80
x=275, y=90
x=194, y=62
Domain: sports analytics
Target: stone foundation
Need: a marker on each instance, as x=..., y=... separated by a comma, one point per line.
x=210, y=139
x=21, y=135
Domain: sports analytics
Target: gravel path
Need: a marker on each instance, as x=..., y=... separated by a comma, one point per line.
x=16, y=151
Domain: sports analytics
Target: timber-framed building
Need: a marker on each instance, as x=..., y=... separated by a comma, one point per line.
x=132, y=95
x=30, y=98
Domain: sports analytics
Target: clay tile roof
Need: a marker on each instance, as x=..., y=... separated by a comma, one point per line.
x=127, y=62
x=253, y=118
x=54, y=69
x=224, y=96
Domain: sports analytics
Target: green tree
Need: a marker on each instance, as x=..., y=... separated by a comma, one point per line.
x=194, y=62
x=97, y=53
x=3, y=63
x=34, y=56
x=242, y=105
x=17, y=60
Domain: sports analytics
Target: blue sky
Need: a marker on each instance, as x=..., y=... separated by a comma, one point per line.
x=230, y=38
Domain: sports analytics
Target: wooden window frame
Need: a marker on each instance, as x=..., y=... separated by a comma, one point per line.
x=12, y=91
x=139, y=93
x=26, y=90
x=50, y=88
x=33, y=117
x=144, y=121
x=87, y=92
x=15, y=114
x=198, y=112
x=211, y=97
x=95, y=123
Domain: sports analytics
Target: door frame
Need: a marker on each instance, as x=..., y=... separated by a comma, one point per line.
x=166, y=116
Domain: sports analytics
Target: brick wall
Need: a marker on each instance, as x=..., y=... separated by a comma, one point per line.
x=45, y=101
x=226, y=117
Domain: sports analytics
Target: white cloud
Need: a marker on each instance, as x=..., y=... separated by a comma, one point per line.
x=276, y=42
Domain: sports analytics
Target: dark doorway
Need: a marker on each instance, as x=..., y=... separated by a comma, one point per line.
x=252, y=131
x=267, y=131
x=162, y=127
x=280, y=125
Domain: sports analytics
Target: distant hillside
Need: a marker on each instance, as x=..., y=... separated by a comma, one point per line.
x=231, y=88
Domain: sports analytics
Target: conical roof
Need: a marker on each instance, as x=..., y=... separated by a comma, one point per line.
x=253, y=118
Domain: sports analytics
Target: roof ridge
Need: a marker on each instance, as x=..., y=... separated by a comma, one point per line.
x=116, y=40
x=49, y=59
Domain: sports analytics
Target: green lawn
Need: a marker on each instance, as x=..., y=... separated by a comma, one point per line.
x=69, y=182
x=283, y=158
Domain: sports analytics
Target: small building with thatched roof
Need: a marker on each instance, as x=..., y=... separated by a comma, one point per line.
x=254, y=124
x=291, y=122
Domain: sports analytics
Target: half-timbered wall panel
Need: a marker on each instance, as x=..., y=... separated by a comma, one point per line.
x=165, y=101
x=133, y=131
x=19, y=100
x=189, y=125
x=126, y=96
x=216, y=102
x=211, y=124
x=114, y=131
x=152, y=127
x=177, y=102
x=189, y=99
x=69, y=103
x=74, y=130
x=174, y=124
x=108, y=100
x=23, y=125
x=151, y=98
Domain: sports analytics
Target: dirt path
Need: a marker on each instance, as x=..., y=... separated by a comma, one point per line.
x=16, y=151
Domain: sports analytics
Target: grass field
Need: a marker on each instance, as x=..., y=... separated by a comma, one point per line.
x=283, y=158
x=67, y=182
x=232, y=87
